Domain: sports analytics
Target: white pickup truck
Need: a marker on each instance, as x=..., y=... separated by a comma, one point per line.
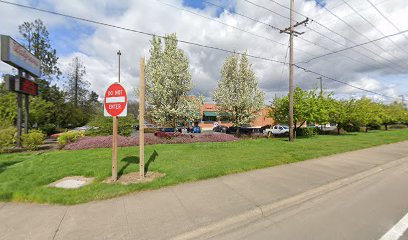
x=277, y=130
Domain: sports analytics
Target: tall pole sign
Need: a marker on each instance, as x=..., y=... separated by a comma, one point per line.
x=115, y=105
x=14, y=54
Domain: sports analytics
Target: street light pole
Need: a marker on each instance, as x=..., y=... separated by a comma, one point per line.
x=115, y=136
x=119, y=53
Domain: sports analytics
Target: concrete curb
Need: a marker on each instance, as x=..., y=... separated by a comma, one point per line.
x=269, y=209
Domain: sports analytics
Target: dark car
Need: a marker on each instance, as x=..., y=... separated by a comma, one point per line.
x=244, y=130
x=196, y=129
x=220, y=128
x=167, y=130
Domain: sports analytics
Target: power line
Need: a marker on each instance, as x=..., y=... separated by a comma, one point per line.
x=263, y=7
x=267, y=24
x=242, y=15
x=334, y=32
x=355, y=30
x=186, y=42
x=304, y=39
x=137, y=31
x=373, y=26
x=283, y=66
x=234, y=27
x=223, y=23
x=342, y=82
x=357, y=45
x=385, y=17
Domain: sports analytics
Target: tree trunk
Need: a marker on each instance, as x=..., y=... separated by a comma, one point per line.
x=386, y=127
x=236, y=122
x=76, y=87
x=338, y=131
x=174, y=123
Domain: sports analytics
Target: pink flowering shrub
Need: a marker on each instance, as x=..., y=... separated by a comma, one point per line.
x=106, y=141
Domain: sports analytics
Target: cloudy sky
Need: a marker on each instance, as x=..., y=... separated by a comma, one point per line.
x=381, y=66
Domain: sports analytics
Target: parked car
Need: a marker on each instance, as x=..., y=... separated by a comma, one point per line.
x=196, y=129
x=242, y=130
x=168, y=129
x=220, y=128
x=147, y=125
x=277, y=130
x=265, y=127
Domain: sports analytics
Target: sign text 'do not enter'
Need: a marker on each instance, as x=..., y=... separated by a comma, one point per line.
x=115, y=102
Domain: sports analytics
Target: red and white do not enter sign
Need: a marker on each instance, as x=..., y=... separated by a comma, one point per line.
x=115, y=101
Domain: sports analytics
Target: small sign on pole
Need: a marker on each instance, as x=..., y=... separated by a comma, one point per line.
x=115, y=101
x=115, y=105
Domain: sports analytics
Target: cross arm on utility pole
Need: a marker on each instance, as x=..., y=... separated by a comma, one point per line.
x=287, y=30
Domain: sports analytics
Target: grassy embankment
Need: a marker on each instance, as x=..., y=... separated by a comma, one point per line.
x=25, y=176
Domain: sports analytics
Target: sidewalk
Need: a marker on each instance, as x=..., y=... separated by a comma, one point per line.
x=195, y=209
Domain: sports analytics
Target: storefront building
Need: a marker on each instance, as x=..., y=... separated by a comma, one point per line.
x=210, y=118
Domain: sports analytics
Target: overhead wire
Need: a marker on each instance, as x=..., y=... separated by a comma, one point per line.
x=357, y=45
x=375, y=27
x=385, y=17
x=365, y=36
x=313, y=20
x=267, y=24
x=187, y=42
x=232, y=26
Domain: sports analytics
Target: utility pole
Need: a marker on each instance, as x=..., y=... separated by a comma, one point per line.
x=321, y=85
x=290, y=30
x=403, y=101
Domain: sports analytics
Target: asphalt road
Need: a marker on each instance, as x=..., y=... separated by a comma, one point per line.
x=367, y=209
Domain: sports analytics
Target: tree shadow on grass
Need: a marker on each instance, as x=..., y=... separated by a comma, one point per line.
x=135, y=160
x=151, y=159
x=5, y=165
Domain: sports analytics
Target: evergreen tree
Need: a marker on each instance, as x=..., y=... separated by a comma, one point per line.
x=37, y=41
x=76, y=84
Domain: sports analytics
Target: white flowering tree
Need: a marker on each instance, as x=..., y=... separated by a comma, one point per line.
x=238, y=93
x=168, y=81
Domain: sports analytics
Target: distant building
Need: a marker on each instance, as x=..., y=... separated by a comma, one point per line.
x=210, y=118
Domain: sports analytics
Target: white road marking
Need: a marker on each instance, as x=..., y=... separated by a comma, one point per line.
x=398, y=230
x=115, y=99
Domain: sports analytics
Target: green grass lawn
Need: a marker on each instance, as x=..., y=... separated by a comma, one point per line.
x=25, y=176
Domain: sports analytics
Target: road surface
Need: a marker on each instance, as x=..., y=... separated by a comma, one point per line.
x=367, y=209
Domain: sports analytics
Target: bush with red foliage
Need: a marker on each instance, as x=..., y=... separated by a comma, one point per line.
x=157, y=138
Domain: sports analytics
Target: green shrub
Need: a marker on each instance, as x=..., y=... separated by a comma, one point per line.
x=351, y=128
x=48, y=128
x=33, y=139
x=397, y=126
x=7, y=138
x=69, y=137
x=103, y=126
x=307, y=132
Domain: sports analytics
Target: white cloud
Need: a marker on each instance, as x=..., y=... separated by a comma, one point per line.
x=98, y=48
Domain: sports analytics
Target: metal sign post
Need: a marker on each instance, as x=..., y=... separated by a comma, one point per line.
x=14, y=54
